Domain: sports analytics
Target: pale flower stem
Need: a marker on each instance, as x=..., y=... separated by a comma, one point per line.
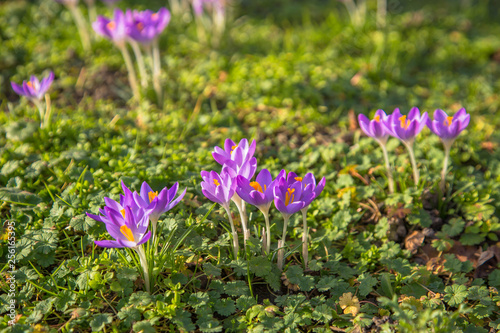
x=381, y=13
x=388, y=168
x=286, y=218
x=234, y=234
x=41, y=112
x=305, y=234
x=264, y=241
x=144, y=264
x=132, y=77
x=442, y=184
x=268, y=232
x=48, y=110
x=140, y=63
x=154, y=224
x=81, y=25
x=281, y=243
x=413, y=163
x=92, y=11
x=281, y=252
x=156, y=71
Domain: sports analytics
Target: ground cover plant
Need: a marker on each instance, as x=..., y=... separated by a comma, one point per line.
x=394, y=242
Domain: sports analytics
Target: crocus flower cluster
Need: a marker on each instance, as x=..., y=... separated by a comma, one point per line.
x=137, y=28
x=210, y=15
x=290, y=194
x=35, y=90
x=128, y=220
x=406, y=128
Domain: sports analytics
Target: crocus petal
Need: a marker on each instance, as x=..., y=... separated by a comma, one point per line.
x=108, y=244
x=17, y=89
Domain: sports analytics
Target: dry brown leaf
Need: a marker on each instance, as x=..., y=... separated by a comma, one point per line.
x=349, y=303
x=485, y=256
x=414, y=240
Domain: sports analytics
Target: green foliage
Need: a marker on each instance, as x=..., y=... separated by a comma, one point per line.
x=290, y=84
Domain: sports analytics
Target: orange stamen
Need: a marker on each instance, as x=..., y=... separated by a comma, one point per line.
x=299, y=179
x=377, y=118
x=152, y=195
x=29, y=84
x=127, y=233
x=233, y=148
x=140, y=26
x=111, y=25
x=289, y=196
x=216, y=182
x=404, y=123
x=257, y=186
x=447, y=121
x=123, y=212
x=154, y=16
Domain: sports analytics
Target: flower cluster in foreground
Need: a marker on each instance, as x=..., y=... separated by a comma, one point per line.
x=406, y=128
x=290, y=193
x=133, y=221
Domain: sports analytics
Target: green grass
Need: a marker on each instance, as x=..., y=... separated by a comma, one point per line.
x=291, y=77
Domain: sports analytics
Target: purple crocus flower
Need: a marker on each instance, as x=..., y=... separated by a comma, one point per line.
x=238, y=157
x=406, y=128
x=287, y=198
x=129, y=230
x=379, y=128
x=218, y=188
x=146, y=25
x=448, y=128
x=376, y=127
x=157, y=203
x=112, y=206
x=310, y=190
x=114, y=29
x=259, y=193
x=33, y=89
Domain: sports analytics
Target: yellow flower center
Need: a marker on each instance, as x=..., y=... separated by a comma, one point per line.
x=377, y=118
x=123, y=212
x=299, y=179
x=447, y=121
x=127, y=233
x=216, y=182
x=152, y=195
x=111, y=25
x=257, y=187
x=289, y=196
x=404, y=123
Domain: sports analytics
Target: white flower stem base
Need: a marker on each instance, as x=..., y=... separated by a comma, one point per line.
x=416, y=175
x=305, y=236
x=144, y=264
x=447, y=148
x=132, y=77
x=234, y=234
x=390, y=179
